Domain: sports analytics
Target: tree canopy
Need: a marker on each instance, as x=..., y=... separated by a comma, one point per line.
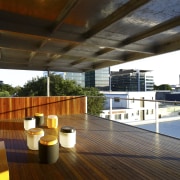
x=7, y=90
x=163, y=87
x=60, y=87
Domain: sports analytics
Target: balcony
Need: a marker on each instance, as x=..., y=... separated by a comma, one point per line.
x=104, y=149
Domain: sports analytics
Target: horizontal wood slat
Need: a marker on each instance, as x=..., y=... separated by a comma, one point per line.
x=20, y=107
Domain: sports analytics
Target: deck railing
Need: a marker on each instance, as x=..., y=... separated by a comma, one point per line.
x=20, y=107
x=130, y=111
x=140, y=111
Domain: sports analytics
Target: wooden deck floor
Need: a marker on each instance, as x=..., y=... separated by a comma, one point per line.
x=104, y=150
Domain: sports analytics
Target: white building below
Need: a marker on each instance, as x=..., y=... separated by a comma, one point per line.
x=129, y=106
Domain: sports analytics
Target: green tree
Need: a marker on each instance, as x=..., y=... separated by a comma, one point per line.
x=35, y=87
x=163, y=87
x=7, y=87
x=61, y=87
x=95, y=100
x=4, y=94
x=7, y=90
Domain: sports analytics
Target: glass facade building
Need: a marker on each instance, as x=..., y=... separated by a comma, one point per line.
x=132, y=80
x=122, y=80
x=78, y=77
x=98, y=78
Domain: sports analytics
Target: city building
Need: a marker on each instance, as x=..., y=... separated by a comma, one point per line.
x=78, y=77
x=98, y=78
x=106, y=80
x=132, y=80
x=129, y=106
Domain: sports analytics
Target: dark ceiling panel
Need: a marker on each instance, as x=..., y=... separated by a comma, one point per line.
x=76, y=35
x=42, y=9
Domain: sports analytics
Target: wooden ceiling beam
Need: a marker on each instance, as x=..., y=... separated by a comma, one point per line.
x=169, y=24
x=115, y=16
x=126, y=57
x=78, y=61
x=173, y=44
x=59, y=20
x=67, y=9
x=103, y=51
x=105, y=64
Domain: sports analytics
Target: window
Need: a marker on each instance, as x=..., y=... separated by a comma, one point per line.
x=147, y=112
x=126, y=116
x=152, y=111
x=116, y=99
x=117, y=116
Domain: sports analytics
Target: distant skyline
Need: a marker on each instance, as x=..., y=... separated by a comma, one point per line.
x=165, y=70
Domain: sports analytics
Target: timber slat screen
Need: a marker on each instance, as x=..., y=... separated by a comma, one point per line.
x=104, y=150
x=20, y=107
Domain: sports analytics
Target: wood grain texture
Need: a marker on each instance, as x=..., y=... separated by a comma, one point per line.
x=104, y=150
x=4, y=170
x=21, y=107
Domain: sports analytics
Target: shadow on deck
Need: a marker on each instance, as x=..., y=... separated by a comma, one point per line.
x=104, y=150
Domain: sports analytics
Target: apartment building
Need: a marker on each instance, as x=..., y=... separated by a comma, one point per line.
x=129, y=106
x=132, y=80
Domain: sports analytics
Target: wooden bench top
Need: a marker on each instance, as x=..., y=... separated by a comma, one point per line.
x=4, y=170
x=104, y=150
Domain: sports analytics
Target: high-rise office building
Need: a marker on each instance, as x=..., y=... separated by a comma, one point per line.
x=122, y=80
x=132, y=80
x=98, y=78
x=78, y=77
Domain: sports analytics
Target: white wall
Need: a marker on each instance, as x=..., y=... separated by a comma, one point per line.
x=129, y=109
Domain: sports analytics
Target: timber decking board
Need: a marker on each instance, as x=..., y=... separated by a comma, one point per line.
x=104, y=150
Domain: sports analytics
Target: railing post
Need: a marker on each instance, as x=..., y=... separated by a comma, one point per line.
x=48, y=84
x=86, y=104
x=156, y=117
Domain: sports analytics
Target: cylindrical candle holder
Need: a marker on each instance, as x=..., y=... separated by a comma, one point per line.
x=39, y=119
x=67, y=137
x=29, y=122
x=33, y=137
x=48, y=149
x=52, y=121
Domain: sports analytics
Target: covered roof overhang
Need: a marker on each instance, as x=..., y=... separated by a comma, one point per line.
x=84, y=35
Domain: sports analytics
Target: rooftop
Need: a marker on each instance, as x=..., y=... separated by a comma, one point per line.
x=104, y=150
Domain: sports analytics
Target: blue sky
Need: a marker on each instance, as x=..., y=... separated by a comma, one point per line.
x=165, y=68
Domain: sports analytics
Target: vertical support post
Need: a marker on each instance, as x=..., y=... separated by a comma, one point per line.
x=110, y=104
x=110, y=99
x=109, y=79
x=48, y=84
x=86, y=104
x=138, y=78
x=156, y=116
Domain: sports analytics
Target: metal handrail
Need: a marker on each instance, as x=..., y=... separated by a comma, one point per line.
x=136, y=99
